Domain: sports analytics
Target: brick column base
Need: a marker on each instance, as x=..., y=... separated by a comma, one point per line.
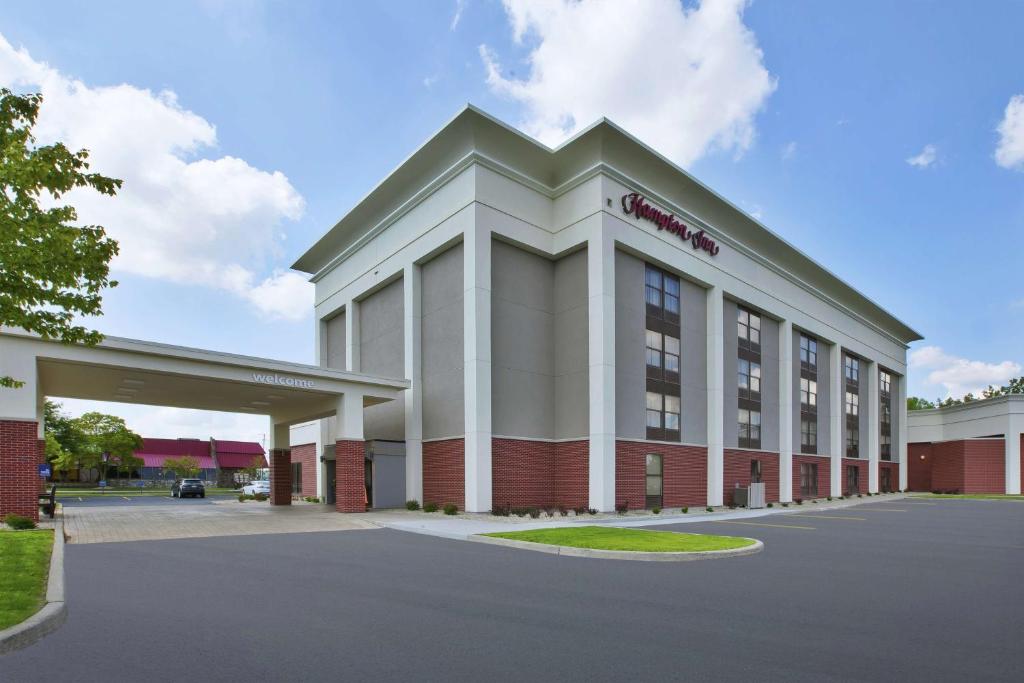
x=19, y=475
x=350, y=475
x=280, y=477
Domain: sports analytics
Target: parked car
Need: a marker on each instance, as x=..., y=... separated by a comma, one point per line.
x=188, y=487
x=254, y=487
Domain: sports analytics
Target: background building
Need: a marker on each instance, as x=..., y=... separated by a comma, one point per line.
x=590, y=325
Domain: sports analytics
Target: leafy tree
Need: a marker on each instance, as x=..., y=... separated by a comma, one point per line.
x=126, y=464
x=1015, y=386
x=50, y=269
x=255, y=469
x=918, y=403
x=104, y=434
x=62, y=427
x=62, y=460
x=185, y=466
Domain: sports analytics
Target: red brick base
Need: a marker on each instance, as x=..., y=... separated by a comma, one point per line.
x=19, y=474
x=685, y=474
x=528, y=473
x=824, y=476
x=894, y=477
x=862, y=476
x=966, y=466
x=350, y=476
x=444, y=472
x=306, y=456
x=280, y=477
x=736, y=469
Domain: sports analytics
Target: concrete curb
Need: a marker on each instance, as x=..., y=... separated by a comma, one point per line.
x=568, y=551
x=53, y=613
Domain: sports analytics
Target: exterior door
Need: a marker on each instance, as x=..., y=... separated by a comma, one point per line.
x=655, y=480
x=329, y=484
x=852, y=479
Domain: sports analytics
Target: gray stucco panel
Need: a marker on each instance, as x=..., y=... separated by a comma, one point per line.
x=630, y=362
x=443, y=360
x=731, y=389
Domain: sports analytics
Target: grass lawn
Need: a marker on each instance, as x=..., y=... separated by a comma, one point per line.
x=611, y=538
x=24, y=569
x=970, y=496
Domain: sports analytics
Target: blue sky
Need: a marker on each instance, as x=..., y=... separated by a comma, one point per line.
x=298, y=109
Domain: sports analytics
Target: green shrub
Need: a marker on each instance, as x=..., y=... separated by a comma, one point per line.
x=430, y=507
x=581, y=510
x=785, y=505
x=533, y=512
x=815, y=502
x=685, y=510
x=829, y=498
x=709, y=509
x=656, y=510
x=799, y=501
x=412, y=505
x=622, y=507
x=19, y=522
x=451, y=509
x=592, y=511
x=242, y=497
x=260, y=496
x=769, y=504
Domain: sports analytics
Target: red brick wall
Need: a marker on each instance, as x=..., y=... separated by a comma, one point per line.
x=572, y=473
x=948, y=466
x=306, y=455
x=350, y=475
x=862, y=476
x=444, y=472
x=737, y=469
x=985, y=466
x=919, y=472
x=893, y=467
x=824, y=475
x=280, y=477
x=19, y=476
x=684, y=482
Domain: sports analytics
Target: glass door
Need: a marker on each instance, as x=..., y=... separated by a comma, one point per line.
x=655, y=480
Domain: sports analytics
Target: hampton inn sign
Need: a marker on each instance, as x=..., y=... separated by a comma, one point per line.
x=634, y=203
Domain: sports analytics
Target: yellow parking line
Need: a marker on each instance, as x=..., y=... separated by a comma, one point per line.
x=880, y=510
x=859, y=519
x=914, y=502
x=783, y=526
x=126, y=498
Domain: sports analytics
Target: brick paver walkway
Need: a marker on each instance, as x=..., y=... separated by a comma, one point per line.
x=229, y=518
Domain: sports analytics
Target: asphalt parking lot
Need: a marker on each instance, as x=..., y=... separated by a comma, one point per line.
x=116, y=500
x=891, y=590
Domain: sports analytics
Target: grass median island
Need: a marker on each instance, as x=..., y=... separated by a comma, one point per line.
x=24, y=570
x=635, y=540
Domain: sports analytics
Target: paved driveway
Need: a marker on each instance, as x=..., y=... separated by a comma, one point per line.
x=904, y=592
x=138, y=520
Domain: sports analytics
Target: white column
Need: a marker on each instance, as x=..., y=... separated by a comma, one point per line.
x=1014, y=426
x=785, y=411
x=716, y=395
x=601, y=323
x=874, y=425
x=414, y=373
x=899, y=447
x=352, y=336
x=477, y=348
x=278, y=435
x=348, y=420
x=837, y=417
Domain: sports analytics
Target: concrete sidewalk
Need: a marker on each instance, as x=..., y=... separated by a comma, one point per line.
x=463, y=525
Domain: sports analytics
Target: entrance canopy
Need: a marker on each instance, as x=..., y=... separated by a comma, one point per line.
x=141, y=372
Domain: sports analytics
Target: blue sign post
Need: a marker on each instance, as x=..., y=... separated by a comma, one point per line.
x=44, y=471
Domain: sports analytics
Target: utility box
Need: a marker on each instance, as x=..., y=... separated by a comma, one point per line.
x=756, y=496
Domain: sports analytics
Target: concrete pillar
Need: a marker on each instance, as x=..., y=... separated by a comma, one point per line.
x=785, y=411
x=899, y=447
x=837, y=418
x=352, y=336
x=414, y=373
x=1014, y=427
x=350, y=455
x=716, y=395
x=874, y=424
x=477, y=378
x=601, y=368
x=280, y=461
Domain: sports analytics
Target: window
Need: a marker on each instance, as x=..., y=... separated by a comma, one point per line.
x=662, y=356
x=662, y=414
x=808, y=435
x=671, y=354
x=808, y=353
x=749, y=379
x=661, y=293
x=655, y=406
x=296, y=477
x=748, y=326
x=852, y=479
x=672, y=413
x=852, y=404
x=808, y=393
x=654, y=350
x=852, y=369
x=852, y=442
x=884, y=382
x=886, y=483
x=755, y=472
x=749, y=428
x=885, y=415
x=808, y=479
x=885, y=446
x=655, y=480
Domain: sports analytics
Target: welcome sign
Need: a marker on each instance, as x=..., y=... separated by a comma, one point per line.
x=635, y=204
x=283, y=381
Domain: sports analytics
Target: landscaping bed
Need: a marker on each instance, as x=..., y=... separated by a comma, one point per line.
x=630, y=540
x=24, y=571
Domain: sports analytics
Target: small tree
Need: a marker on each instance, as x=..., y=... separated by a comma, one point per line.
x=918, y=403
x=127, y=464
x=184, y=467
x=255, y=469
x=105, y=435
x=51, y=271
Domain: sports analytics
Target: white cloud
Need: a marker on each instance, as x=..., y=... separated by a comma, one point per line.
x=789, y=150
x=1010, y=149
x=208, y=221
x=460, y=5
x=925, y=158
x=959, y=376
x=685, y=80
